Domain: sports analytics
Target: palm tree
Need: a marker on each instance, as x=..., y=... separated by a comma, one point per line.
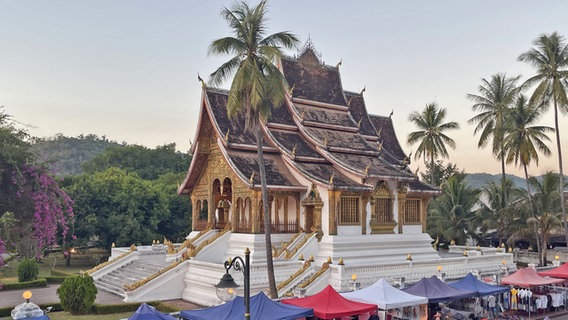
x=550, y=58
x=257, y=85
x=431, y=135
x=451, y=215
x=523, y=141
x=494, y=99
x=547, y=205
x=496, y=213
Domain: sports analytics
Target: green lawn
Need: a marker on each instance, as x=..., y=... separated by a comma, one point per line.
x=55, y=260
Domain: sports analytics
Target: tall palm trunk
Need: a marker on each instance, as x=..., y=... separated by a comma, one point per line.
x=561, y=171
x=505, y=193
x=535, y=227
x=432, y=168
x=266, y=212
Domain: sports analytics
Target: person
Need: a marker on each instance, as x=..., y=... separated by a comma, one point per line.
x=491, y=306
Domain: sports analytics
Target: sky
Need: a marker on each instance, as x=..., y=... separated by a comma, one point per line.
x=128, y=69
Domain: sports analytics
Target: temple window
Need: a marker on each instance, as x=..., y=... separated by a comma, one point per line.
x=349, y=210
x=383, y=210
x=412, y=211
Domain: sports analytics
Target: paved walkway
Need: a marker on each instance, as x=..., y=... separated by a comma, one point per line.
x=11, y=298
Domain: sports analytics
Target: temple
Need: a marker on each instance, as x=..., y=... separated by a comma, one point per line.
x=345, y=208
x=330, y=165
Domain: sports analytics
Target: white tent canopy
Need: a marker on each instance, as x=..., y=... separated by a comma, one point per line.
x=385, y=296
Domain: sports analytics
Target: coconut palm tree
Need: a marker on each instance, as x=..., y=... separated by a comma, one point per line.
x=495, y=212
x=549, y=57
x=546, y=199
x=523, y=141
x=431, y=136
x=451, y=215
x=257, y=85
x=493, y=101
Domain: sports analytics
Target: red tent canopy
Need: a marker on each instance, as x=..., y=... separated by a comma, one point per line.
x=528, y=278
x=558, y=272
x=328, y=304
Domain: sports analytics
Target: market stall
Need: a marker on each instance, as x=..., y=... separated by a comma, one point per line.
x=147, y=312
x=328, y=304
x=261, y=307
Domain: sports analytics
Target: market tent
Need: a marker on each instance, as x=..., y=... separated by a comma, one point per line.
x=437, y=291
x=528, y=277
x=558, y=272
x=328, y=304
x=470, y=282
x=385, y=296
x=261, y=308
x=146, y=312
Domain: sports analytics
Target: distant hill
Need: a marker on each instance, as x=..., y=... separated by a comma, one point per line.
x=66, y=155
x=478, y=180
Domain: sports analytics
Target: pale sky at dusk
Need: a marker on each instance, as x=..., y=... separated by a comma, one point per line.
x=128, y=69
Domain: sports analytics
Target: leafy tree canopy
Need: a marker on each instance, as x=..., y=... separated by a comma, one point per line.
x=147, y=163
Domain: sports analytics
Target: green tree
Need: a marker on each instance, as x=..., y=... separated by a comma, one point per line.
x=492, y=103
x=495, y=212
x=451, y=215
x=77, y=294
x=548, y=217
x=431, y=137
x=178, y=226
x=257, y=85
x=115, y=206
x=524, y=140
x=148, y=163
x=549, y=57
x=441, y=172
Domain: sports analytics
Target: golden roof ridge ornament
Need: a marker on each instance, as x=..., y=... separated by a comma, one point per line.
x=363, y=90
x=325, y=142
x=359, y=123
x=331, y=179
x=251, y=180
x=203, y=85
x=379, y=132
x=227, y=135
x=367, y=169
x=293, y=155
x=291, y=90
x=380, y=146
x=302, y=115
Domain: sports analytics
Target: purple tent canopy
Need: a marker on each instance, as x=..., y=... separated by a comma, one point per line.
x=261, y=307
x=437, y=291
x=146, y=312
x=470, y=282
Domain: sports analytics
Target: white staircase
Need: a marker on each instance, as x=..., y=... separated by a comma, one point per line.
x=115, y=281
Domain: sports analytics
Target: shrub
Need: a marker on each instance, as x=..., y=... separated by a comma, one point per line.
x=38, y=283
x=28, y=270
x=77, y=294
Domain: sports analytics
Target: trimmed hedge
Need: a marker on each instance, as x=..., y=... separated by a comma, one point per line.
x=39, y=283
x=28, y=270
x=61, y=273
x=77, y=294
x=7, y=311
x=55, y=279
x=130, y=307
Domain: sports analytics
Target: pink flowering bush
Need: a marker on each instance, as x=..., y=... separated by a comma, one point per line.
x=52, y=207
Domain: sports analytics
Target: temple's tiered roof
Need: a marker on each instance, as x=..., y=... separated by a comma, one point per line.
x=321, y=133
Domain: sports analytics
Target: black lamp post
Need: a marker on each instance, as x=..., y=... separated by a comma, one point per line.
x=226, y=288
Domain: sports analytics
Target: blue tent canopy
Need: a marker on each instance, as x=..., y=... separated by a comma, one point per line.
x=261, y=308
x=437, y=291
x=146, y=312
x=470, y=282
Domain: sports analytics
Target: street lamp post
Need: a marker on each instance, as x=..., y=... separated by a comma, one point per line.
x=226, y=288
